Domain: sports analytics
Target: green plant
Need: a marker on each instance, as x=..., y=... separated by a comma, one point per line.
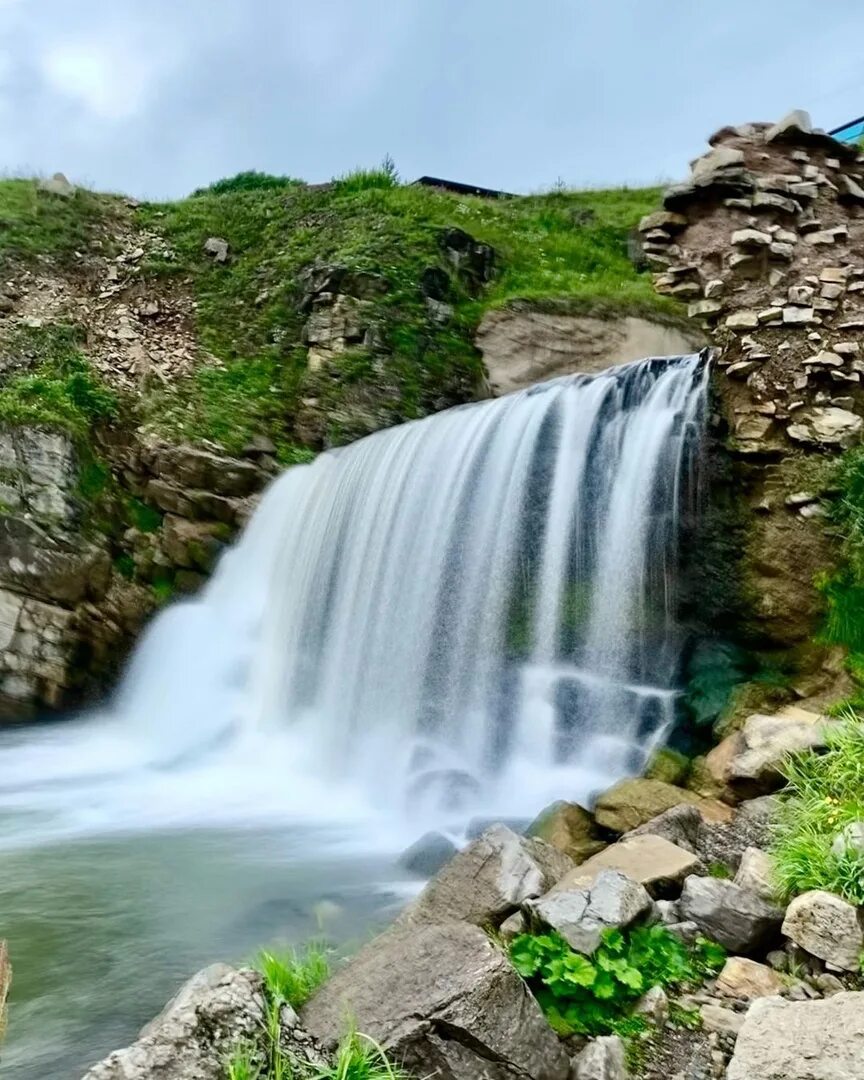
x=251, y=180
x=824, y=793
x=719, y=870
x=592, y=995
x=291, y=976
x=243, y=1063
x=385, y=176
x=360, y=1058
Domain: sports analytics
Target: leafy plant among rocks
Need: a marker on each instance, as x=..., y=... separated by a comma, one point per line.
x=595, y=995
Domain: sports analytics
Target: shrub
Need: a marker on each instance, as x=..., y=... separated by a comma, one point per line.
x=385, y=176
x=292, y=977
x=247, y=181
x=594, y=995
x=824, y=793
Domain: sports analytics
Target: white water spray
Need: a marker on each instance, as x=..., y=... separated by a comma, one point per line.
x=472, y=613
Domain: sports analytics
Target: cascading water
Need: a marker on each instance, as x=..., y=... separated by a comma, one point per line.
x=472, y=613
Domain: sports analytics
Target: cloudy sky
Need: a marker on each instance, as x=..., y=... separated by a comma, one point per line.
x=155, y=97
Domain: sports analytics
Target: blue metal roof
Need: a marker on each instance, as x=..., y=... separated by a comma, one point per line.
x=851, y=132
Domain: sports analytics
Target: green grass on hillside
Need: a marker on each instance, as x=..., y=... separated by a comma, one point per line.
x=566, y=249
x=35, y=222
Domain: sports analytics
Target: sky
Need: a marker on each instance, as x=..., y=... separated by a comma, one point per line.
x=157, y=97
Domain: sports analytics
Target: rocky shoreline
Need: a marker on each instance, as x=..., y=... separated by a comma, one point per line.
x=440, y=992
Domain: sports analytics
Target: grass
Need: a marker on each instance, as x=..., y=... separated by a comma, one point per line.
x=58, y=387
x=35, y=222
x=824, y=793
x=564, y=250
x=291, y=976
x=360, y=1058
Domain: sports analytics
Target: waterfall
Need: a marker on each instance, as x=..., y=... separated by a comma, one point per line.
x=473, y=612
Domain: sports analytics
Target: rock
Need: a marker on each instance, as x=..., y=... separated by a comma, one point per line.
x=217, y=248
x=742, y=978
x=651, y=860
x=661, y=219
x=797, y=316
x=601, y=1059
x=850, y=841
x=191, y=1038
x=489, y=880
x=826, y=926
x=850, y=191
x=723, y=1021
x=442, y=1000
x=750, y=761
x=512, y=927
x=654, y=1005
x=682, y=825
x=569, y=828
x=738, y=919
x=427, y=855
x=667, y=765
x=808, y=1040
x=630, y=803
x=704, y=308
x=687, y=932
x=791, y=128
x=756, y=873
x=580, y=915
x=828, y=984
x=58, y=185
x=828, y=427
x=750, y=239
x=742, y=320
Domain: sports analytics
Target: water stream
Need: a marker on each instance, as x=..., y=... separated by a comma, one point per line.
x=469, y=615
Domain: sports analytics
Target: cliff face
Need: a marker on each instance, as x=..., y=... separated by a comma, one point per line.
x=159, y=364
x=765, y=242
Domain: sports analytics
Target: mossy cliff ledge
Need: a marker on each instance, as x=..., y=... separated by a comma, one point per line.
x=765, y=243
x=160, y=363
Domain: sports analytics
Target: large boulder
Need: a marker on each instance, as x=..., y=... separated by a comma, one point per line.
x=749, y=763
x=444, y=1001
x=580, y=915
x=826, y=926
x=801, y=1040
x=489, y=880
x=738, y=919
x=651, y=860
x=193, y=1036
x=568, y=827
x=630, y=803
x=428, y=855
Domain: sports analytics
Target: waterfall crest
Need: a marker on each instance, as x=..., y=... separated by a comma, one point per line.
x=471, y=612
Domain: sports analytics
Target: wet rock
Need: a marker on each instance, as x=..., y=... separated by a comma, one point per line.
x=489, y=880
x=650, y=860
x=445, y=1002
x=630, y=803
x=580, y=915
x=569, y=828
x=808, y=1040
x=736, y=918
x=427, y=855
x=826, y=926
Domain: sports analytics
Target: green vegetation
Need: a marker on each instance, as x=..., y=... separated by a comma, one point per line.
x=251, y=180
x=57, y=387
x=292, y=977
x=35, y=222
x=360, y=1058
x=564, y=250
x=824, y=793
x=595, y=995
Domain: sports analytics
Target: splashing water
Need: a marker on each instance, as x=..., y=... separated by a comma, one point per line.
x=469, y=614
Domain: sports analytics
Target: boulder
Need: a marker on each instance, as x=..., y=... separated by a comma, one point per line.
x=801, y=1040
x=743, y=978
x=489, y=880
x=427, y=855
x=569, y=828
x=849, y=841
x=826, y=926
x=723, y=1021
x=667, y=765
x=195, y=1033
x=580, y=915
x=828, y=426
x=444, y=1001
x=651, y=860
x=756, y=873
x=653, y=1005
x=216, y=248
x=682, y=826
x=750, y=761
x=738, y=919
x=58, y=184
x=601, y=1059
x=630, y=803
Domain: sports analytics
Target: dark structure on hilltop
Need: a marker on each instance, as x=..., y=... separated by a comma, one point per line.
x=463, y=189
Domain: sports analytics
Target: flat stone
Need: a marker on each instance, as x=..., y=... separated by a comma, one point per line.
x=751, y=238
x=743, y=978
x=792, y=127
x=835, y=274
x=704, y=308
x=798, y=316
x=741, y=369
x=802, y=295
x=828, y=427
x=825, y=358
x=826, y=926
x=722, y=157
x=822, y=238
x=850, y=191
x=720, y=1020
x=651, y=860
x=742, y=320
x=662, y=219
x=807, y=1040
x=770, y=314
x=631, y=803
x=769, y=200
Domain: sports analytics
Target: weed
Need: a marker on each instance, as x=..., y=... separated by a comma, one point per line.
x=360, y=1058
x=824, y=793
x=719, y=870
x=251, y=180
x=292, y=977
x=593, y=995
